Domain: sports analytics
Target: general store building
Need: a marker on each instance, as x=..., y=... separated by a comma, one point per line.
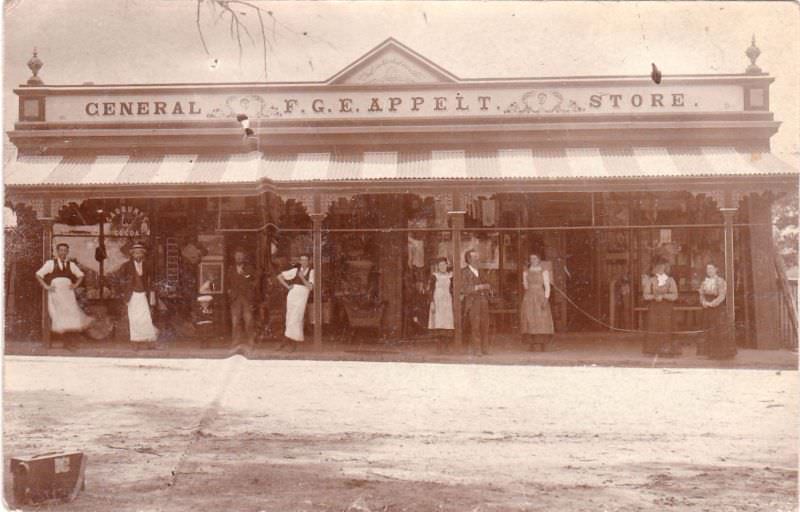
x=394, y=162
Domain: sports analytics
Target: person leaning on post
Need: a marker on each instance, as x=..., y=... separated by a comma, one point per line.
x=298, y=281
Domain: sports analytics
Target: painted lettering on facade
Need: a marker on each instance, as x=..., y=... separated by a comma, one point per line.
x=141, y=108
x=307, y=104
x=532, y=102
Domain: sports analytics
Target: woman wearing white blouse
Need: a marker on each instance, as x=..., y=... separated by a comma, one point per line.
x=661, y=292
x=536, y=319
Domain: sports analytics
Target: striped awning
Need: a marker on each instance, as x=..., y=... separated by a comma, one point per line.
x=533, y=164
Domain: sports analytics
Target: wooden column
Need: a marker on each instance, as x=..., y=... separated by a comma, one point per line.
x=316, y=219
x=765, y=290
x=728, y=214
x=457, y=225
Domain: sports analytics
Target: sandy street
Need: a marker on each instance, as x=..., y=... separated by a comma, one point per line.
x=234, y=434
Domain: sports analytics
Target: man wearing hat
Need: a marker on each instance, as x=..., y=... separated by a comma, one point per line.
x=135, y=282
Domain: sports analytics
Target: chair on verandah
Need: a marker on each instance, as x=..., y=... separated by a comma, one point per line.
x=362, y=316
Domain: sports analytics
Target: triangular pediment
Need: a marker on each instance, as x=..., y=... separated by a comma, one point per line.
x=392, y=63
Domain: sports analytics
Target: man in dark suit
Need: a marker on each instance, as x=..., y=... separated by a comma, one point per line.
x=135, y=283
x=242, y=282
x=475, y=290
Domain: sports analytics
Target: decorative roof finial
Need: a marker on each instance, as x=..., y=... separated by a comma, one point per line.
x=35, y=64
x=752, y=53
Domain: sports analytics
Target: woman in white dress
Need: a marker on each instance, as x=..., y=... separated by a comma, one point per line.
x=60, y=277
x=440, y=316
x=299, y=280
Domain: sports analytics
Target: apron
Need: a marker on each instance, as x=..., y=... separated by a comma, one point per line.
x=65, y=314
x=441, y=310
x=296, y=301
x=141, y=323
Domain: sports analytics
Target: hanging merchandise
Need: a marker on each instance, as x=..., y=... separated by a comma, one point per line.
x=440, y=214
x=416, y=253
x=489, y=210
x=472, y=209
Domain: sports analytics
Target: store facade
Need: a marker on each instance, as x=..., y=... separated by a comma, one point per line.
x=393, y=163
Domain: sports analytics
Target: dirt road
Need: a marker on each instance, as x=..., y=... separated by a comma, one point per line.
x=185, y=435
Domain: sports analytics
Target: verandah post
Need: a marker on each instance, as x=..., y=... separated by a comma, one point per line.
x=316, y=220
x=47, y=253
x=728, y=212
x=456, y=226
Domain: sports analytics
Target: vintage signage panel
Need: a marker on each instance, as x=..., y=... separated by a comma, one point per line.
x=401, y=103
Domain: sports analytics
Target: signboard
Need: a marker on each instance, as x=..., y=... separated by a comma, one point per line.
x=387, y=103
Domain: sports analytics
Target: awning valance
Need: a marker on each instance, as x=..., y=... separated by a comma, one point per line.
x=525, y=164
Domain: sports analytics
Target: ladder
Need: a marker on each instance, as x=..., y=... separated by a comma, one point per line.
x=173, y=267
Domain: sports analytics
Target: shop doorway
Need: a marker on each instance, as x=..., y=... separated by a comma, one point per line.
x=580, y=284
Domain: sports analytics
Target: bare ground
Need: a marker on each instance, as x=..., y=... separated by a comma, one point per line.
x=174, y=435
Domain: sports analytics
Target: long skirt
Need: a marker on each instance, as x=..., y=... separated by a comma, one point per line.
x=139, y=319
x=719, y=342
x=65, y=313
x=659, y=338
x=296, y=301
x=535, y=315
x=441, y=310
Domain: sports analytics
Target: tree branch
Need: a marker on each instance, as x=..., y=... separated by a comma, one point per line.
x=200, y=29
x=237, y=26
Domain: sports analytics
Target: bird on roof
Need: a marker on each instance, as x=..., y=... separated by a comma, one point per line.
x=655, y=74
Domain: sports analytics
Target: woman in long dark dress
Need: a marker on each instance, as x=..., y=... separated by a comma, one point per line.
x=661, y=291
x=719, y=342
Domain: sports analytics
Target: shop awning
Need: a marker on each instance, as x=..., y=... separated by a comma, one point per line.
x=533, y=164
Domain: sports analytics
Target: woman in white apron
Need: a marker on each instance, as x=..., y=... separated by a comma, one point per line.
x=440, y=315
x=299, y=281
x=60, y=277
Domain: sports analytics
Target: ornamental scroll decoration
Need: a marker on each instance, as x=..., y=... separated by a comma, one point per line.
x=254, y=106
x=326, y=200
x=543, y=102
x=305, y=199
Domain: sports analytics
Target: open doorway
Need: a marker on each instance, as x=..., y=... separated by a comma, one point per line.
x=580, y=273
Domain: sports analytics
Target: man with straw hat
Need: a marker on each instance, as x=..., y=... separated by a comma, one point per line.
x=136, y=282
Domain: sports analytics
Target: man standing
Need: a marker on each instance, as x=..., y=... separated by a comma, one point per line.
x=242, y=281
x=136, y=284
x=60, y=277
x=476, y=302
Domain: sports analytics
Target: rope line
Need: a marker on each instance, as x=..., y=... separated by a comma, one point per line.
x=619, y=329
